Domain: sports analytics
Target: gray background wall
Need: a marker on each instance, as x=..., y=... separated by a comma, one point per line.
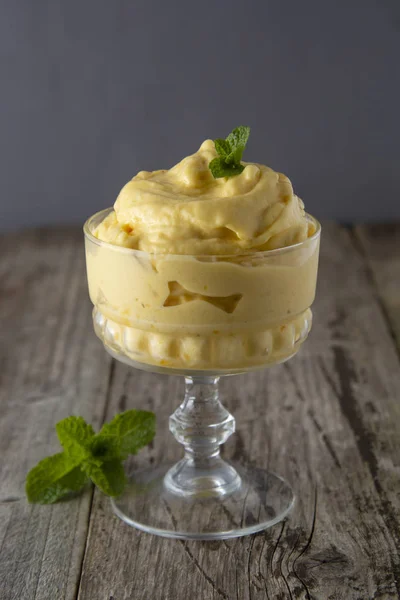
x=95, y=90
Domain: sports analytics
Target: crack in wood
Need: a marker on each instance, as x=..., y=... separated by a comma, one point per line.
x=307, y=546
x=281, y=570
x=252, y=541
x=325, y=439
x=336, y=558
x=277, y=543
x=196, y=563
x=234, y=524
x=43, y=551
x=10, y=499
x=170, y=513
x=299, y=533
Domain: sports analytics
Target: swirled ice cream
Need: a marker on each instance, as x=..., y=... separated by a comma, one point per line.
x=186, y=277
x=185, y=210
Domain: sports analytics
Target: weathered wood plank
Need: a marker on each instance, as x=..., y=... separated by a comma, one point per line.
x=51, y=367
x=381, y=245
x=329, y=421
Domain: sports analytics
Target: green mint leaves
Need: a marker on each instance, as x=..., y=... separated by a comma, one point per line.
x=53, y=478
x=75, y=437
x=90, y=456
x=230, y=151
x=128, y=433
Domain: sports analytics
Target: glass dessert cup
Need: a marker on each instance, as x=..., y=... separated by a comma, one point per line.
x=202, y=317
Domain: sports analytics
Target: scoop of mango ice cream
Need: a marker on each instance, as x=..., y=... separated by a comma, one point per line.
x=184, y=210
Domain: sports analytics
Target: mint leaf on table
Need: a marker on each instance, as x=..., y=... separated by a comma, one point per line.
x=133, y=429
x=108, y=476
x=54, y=478
x=105, y=447
x=230, y=151
x=75, y=436
x=90, y=456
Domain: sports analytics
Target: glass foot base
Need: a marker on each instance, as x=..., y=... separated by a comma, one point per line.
x=262, y=500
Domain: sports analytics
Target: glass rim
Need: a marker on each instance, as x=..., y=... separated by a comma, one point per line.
x=259, y=253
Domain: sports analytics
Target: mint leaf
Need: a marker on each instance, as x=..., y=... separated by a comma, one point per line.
x=238, y=139
x=217, y=167
x=75, y=436
x=108, y=476
x=105, y=447
x=223, y=147
x=230, y=151
x=75, y=479
x=54, y=478
x=133, y=429
x=220, y=168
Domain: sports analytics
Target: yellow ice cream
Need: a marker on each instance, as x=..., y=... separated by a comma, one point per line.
x=185, y=279
x=185, y=210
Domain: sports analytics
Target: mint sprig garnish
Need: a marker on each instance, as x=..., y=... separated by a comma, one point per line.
x=89, y=456
x=230, y=151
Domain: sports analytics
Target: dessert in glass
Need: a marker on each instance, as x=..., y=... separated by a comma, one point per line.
x=203, y=277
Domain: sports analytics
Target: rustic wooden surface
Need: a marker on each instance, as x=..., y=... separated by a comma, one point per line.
x=328, y=420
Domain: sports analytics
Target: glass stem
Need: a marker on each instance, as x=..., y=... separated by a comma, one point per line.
x=201, y=424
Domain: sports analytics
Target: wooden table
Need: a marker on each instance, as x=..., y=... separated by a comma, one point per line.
x=328, y=420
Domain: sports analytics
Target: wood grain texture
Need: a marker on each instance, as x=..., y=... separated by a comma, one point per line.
x=381, y=246
x=51, y=367
x=328, y=420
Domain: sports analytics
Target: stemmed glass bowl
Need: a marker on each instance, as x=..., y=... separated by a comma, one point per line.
x=202, y=317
